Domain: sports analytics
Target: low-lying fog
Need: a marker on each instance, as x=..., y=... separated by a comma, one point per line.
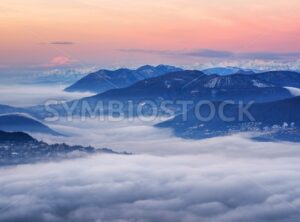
x=141, y=137
x=224, y=179
x=189, y=188
x=29, y=95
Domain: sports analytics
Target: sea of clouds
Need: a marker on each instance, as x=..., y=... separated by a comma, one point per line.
x=168, y=179
x=202, y=187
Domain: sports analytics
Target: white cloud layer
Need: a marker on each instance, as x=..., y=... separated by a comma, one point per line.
x=142, y=138
x=187, y=188
x=28, y=95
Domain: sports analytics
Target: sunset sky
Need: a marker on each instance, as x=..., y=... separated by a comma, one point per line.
x=56, y=33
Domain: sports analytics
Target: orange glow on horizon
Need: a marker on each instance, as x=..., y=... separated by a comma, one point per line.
x=99, y=27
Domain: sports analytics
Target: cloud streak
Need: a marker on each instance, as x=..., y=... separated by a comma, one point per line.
x=149, y=51
x=211, y=53
x=268, y=55
x=62, y=43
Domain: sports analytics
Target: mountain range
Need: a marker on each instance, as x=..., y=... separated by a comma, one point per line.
x=224, y=71
x=194, y=86
x=269, y=91
x=279, y=120
x=185, y=86
x=104, y=80
x=281, y=78
x=190, y=84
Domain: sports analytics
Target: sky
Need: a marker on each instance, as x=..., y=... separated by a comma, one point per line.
x=46, y=34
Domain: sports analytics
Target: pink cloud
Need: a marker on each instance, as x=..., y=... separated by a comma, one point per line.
x=60, y=61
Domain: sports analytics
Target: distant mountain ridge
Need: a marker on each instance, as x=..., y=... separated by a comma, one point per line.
x=190, y=85
x=16, y=122
x=279, y=117
x=15, y=137
x=281, y=78
x=104, y=80
x=224, y=71
x=233, y=81
x=11, y=109
x=187, y=85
